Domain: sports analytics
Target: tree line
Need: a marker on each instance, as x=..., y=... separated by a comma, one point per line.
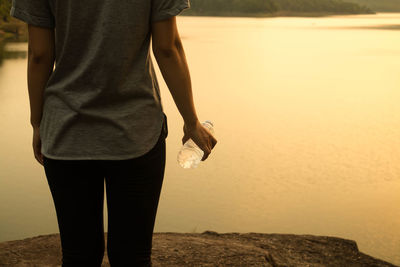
x=380, y=5
x=214, y=7
x=5, y=6
x=334, y=6
x=231, y=6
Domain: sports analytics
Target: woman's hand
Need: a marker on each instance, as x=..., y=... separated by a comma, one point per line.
x=201, y=136
x=37, y=143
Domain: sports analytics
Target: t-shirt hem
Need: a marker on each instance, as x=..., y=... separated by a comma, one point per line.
x=110, y=157
x=31, y=19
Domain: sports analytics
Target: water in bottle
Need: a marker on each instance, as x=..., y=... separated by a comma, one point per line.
x=190, y=154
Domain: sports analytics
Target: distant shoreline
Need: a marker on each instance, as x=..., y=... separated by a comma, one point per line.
x=277, y=14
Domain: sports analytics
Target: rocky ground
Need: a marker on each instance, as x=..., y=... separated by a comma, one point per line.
x=211, y=249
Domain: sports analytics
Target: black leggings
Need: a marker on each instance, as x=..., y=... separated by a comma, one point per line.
x=133, y=189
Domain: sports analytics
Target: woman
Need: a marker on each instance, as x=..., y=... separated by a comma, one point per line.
x=97, y=116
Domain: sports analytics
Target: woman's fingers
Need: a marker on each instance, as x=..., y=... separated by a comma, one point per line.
x=209, y=147
x=38, y=154
x=207, y=152
x=39, y=158
x=184, y=139
x=37, y=143
x=202, y=137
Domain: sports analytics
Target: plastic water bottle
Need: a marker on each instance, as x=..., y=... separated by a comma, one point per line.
x=190, y=154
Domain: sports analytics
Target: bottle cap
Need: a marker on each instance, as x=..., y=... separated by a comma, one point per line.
x=207, y=121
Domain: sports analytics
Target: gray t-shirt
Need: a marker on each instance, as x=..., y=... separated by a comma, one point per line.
x=102, y=100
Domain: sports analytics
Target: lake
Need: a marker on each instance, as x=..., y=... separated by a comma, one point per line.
x=307, y=117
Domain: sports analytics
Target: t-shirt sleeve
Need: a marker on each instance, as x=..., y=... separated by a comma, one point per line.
x=163, y=9
x=35, y=12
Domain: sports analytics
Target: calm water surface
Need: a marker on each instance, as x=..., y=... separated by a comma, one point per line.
x=307, y=117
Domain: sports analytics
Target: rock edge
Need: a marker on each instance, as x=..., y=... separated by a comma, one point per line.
x=210, y=249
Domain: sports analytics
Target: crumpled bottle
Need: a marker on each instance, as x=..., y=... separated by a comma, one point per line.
x=190, y=154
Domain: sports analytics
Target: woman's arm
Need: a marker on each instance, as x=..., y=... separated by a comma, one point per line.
x=41, y=58
x=170, y=56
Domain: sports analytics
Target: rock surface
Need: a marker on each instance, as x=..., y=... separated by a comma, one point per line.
x=210, y=249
